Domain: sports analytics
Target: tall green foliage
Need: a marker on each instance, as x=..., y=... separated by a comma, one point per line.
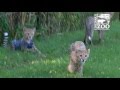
x=47, y=23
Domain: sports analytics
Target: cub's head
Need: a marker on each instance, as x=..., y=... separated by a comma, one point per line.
x=82, y=55
x=28, y=33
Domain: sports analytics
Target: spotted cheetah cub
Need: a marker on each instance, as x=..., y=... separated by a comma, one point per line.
x=78, y=56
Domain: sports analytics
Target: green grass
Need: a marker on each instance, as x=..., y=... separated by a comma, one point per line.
x=104, y=60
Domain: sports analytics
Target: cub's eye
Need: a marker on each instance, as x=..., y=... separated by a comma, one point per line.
x=80, y=55
x=85, y=55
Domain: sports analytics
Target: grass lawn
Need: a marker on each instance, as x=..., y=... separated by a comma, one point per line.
x=104, y=60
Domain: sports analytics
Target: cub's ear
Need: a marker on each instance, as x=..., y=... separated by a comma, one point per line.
x=34, y=29
x=72, y=48
x=88, y=51
x=24, y=28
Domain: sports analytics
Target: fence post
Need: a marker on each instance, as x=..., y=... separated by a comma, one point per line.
x=5, y=39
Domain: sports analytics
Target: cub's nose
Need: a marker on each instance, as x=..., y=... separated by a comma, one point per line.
x=82, y=60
